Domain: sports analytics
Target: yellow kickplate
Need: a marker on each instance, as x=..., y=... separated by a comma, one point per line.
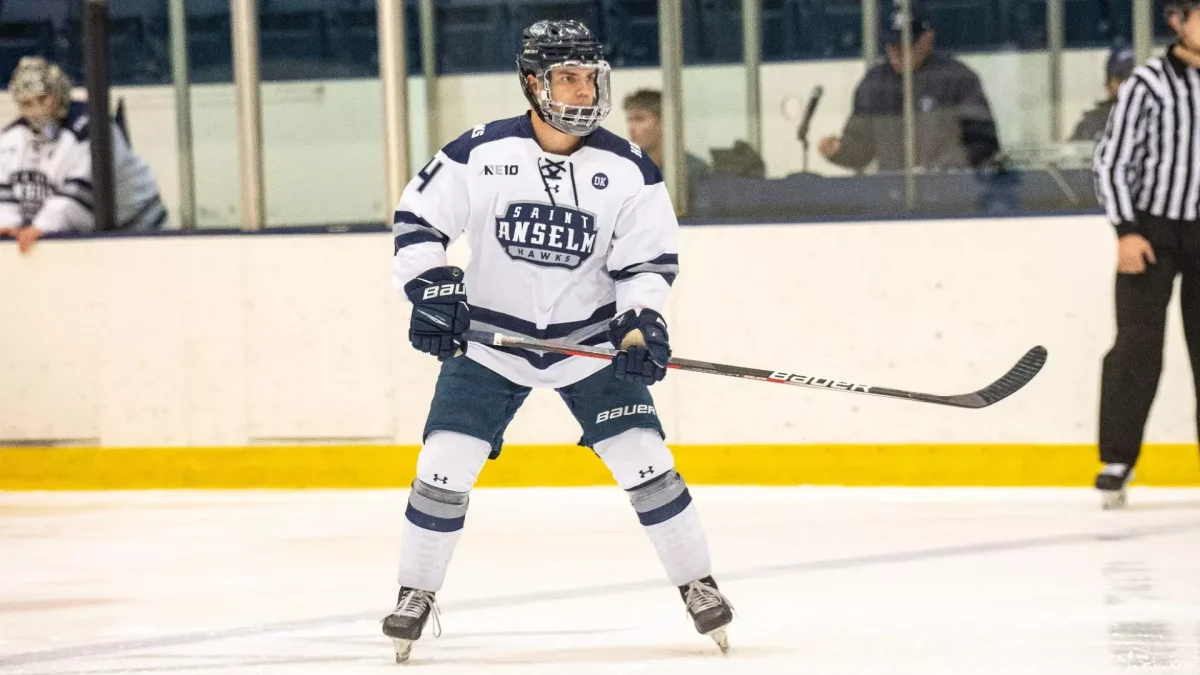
x=375, y=466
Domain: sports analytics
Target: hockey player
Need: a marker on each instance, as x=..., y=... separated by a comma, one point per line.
x=573, y=237
x=46, y=164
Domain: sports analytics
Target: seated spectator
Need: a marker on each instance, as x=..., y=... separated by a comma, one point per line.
x=643, y=116
x=46, y=164
x=954, y=125
x=1120, y=66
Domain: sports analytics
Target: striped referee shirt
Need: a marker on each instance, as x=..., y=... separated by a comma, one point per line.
x=1149, y=157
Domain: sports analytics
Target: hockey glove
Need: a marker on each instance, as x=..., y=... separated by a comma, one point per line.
x=642, y=339
x=440, y=312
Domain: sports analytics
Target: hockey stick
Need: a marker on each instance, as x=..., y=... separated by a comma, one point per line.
x=1018, y=376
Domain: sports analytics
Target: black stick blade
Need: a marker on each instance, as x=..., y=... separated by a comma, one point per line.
x=1018, y=376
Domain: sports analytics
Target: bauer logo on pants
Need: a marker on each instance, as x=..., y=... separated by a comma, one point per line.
x=640, y=409
x=819, y=382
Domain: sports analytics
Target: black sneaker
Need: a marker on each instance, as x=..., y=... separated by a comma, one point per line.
x=710, y=610
x=1112, y=482
x=406, y=622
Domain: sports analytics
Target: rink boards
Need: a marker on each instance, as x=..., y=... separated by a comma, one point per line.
x=281, y=360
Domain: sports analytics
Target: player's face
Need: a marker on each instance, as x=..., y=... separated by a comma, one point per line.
x=645, y=128
x=38, y=110
x=573, y=85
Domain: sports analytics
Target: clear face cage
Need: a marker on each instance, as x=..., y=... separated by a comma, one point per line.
x=577, y=120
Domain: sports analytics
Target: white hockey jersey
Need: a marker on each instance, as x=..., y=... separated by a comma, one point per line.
x=46, y=179
x=559, y=244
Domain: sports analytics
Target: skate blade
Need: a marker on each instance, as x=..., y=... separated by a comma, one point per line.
x=720, y=637
x=403, y=649
x=1113, y=499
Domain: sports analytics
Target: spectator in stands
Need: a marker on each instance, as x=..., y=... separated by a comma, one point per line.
x=643, y=116
x=954, y=125
x=46, y=164
x=1120, y=65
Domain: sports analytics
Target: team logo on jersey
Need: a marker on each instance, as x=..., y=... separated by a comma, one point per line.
x=599, y=181
x=547, y=235
x=30, y=189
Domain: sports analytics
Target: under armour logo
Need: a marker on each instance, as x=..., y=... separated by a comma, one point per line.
x=648, y=471
x=440, y=479
x=551, y=169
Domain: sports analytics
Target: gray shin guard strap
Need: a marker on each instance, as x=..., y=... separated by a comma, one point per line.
x=432, y=508
x=660, y=499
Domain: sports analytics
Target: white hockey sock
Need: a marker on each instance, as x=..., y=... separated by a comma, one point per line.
x=672, y=523
x=432, y=525
x=643, y=466
x=437, y=507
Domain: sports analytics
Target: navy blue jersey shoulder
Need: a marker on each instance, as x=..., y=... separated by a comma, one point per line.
x=77, y=120
x=603, y=139
x=459, y=150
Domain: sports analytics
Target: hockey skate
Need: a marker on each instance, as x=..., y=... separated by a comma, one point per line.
x=1112, y=482
x=407, y=620
x=710, y=611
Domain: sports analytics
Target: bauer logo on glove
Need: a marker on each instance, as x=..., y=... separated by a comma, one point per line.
x=443, y=291
x=440, y=312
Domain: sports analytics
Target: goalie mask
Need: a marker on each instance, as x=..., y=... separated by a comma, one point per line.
x=34, y=77
x=548, y=46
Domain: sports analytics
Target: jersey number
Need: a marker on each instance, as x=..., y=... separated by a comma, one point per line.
x=427, y=173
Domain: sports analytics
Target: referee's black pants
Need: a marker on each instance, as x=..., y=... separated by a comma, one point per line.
x=1132, y=368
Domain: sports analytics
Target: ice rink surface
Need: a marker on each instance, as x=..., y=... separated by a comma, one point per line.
x=556, y=581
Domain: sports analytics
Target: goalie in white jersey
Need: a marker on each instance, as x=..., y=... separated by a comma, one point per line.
x=46, y=164
x=573, y=238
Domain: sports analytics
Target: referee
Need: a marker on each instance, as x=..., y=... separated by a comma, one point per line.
x=1147, y=169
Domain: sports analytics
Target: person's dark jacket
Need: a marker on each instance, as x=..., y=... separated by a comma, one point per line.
x=1093, y=123
x=954, y=124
